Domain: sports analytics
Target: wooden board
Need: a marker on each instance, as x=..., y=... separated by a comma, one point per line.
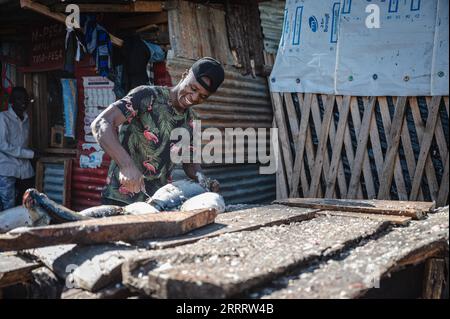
x=396, y=220
x=435, y=280
x=355, y=271
x=227, y=265
x=415, y=210
x=94, y=231
x=246, y=219
x=15, y=269
x=94, y=267
x=87, y=267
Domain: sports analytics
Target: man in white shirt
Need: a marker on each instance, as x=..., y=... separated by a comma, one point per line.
x=14, y=152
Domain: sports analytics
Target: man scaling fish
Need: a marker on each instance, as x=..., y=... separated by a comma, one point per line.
x=135, y=132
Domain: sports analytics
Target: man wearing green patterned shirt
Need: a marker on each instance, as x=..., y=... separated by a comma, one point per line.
x=140, y=152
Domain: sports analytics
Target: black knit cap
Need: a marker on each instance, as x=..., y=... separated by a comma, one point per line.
x=210, y=68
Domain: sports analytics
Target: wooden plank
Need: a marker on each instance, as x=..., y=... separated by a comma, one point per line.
x=342, y=183
x=15, y=269
x=282, y=186
x=416, y=210
x=350, y=154
x=361, y=155
x=321, y=152
x=443, y=189
x=301, y=145
x=292, y=114
x=392, y=166
x=425, y=145
x=439, y=133
x=282, y=133
x=434, y=281
x=420, y=127
x=366, y=169
x=225, y=266
x=376, y=147
x=94, y=231
x=337, y=146
x=396, y=220
x=136, y=6
x=40, y=8
x=95, y=267
x=241, y=220
x=409, y=152
x=87, y=267
x=354, y=272
x=315, y=114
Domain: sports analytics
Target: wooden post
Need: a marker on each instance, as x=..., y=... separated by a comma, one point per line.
x=434, y=278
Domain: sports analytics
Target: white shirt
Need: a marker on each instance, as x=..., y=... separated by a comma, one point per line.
x=14, y=154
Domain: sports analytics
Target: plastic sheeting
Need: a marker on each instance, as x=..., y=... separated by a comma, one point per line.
x=327, y=47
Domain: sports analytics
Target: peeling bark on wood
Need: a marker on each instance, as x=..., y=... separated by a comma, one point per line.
x=94, y=231
x=415, y=210
x=227, y=265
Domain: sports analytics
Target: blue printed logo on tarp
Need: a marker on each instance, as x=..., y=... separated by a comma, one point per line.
x=313, y=23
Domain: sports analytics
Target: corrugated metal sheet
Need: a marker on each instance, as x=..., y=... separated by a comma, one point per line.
x=87, y=185
x=272, y=15
x=53, y=181
x=241, y=101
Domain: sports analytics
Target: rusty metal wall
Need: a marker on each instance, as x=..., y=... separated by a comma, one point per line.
x=272, y=15
x=87, y=185
x=241, y=102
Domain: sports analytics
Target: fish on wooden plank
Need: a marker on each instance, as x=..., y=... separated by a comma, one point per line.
x=40, y=210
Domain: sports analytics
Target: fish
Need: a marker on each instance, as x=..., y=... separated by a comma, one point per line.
x=34, y=200
x=22, y=217
x=204, y=201
x=139, y=208
x=173, y=195
x=41, y=210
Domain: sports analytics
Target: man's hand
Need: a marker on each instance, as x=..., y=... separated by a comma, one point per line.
x=131, y=178
x=210, y=184
x=214, y=185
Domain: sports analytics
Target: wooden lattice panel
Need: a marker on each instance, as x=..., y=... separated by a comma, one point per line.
x=363, y=147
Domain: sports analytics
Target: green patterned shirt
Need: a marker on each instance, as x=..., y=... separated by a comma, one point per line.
x=146, y=137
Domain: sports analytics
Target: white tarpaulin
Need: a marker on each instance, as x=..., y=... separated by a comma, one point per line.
x=327, y=47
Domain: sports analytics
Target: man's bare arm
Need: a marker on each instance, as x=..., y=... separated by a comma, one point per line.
x=104, y=129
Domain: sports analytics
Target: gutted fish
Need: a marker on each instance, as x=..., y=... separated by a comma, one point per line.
x=102, y=211
x=41, y=210
x=139, y=208
x=171, y=196
x=203, y=201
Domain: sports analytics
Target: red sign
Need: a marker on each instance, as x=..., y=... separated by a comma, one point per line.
x=47, y=47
